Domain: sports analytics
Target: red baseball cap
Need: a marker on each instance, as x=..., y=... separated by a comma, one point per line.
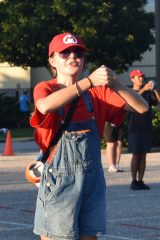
x=136, y=72
x=65, y=40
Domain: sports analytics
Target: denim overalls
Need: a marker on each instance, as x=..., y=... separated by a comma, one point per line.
x=72, y=195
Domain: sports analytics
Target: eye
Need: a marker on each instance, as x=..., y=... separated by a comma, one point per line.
x=77, y=52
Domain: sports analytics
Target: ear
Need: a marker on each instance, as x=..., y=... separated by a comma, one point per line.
x=52, y=61
x=132, y=79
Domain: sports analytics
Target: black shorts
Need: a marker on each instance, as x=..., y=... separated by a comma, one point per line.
x=113, y=133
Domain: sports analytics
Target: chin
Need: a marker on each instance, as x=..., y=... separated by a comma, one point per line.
x=73, y=73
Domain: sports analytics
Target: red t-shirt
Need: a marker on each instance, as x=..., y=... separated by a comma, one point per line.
x=108, y=106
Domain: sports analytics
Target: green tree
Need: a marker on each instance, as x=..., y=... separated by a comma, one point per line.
x=116, y=32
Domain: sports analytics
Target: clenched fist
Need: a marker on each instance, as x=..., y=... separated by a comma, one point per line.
x=102, y=76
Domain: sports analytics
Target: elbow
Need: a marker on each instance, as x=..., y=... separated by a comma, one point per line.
x=144, y=109
x=41, y=107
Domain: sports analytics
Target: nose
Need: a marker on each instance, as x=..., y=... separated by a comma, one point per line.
x=72, y=54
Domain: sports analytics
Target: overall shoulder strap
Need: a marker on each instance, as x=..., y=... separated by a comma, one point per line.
x=88, y=102
x=60, y=131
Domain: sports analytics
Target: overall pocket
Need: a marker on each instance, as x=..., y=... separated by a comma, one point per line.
x=48, y=185
x=79, y=147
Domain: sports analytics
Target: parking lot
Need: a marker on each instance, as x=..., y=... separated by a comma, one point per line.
x=132, y=215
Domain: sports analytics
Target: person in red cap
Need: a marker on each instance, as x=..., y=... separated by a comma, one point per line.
x=139, y=129
x=71, y=202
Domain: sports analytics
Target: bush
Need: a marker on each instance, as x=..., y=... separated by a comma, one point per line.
x=155, y=130
x=9, y=110
x=156, y=127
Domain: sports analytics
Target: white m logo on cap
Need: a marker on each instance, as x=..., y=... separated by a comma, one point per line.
x=69, y=39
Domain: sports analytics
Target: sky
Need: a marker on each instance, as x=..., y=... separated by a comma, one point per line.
x=150, y=6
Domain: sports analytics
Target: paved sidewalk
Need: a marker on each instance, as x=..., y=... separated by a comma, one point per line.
x=132, y=215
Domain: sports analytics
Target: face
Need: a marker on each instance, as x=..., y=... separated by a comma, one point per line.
x=137, y=81
x=68, y=62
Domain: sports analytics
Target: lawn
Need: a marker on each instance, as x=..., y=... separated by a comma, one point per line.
x=19, y=133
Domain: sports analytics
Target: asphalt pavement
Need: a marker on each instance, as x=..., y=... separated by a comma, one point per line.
x=132, y=215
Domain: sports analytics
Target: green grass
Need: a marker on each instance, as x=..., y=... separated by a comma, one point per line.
x=19, y=133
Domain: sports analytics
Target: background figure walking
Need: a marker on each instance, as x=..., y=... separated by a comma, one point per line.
x=114, y=136
x=24, y=107
x=139, y=130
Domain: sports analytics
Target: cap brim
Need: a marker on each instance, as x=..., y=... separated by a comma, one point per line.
x=71, y=45
x=139, y=75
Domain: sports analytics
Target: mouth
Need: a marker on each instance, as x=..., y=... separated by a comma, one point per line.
x=73, y=64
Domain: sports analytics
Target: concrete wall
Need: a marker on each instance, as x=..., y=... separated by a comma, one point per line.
x=14, y=77
x=38, y=75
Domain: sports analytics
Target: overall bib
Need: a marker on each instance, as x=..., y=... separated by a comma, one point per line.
x=71, y=200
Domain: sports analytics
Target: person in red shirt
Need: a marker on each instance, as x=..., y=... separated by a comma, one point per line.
x=71, y=202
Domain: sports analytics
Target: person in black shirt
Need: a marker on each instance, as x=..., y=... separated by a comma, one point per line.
x=139, y=129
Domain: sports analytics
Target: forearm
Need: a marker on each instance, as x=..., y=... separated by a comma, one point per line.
x=133, y=99
x=141, y=91
x=63, y=96
x=157, y=94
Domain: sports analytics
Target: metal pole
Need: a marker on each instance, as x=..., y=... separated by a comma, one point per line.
x=157, y=33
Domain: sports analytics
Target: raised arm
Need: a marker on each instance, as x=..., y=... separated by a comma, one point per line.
x=134, y=101
x=100, y=77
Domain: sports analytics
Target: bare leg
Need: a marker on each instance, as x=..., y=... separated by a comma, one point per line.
x=142, y=166
x=135, y=165
x=88, y=238
x=110, y=151
x=81, y=238
x=118, y=152
x=44, y=238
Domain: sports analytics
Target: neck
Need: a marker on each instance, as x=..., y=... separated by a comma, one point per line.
x=136, y=88
x=66, y=80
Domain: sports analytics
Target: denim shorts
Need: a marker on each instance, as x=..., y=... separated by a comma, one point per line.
x=72, y=195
